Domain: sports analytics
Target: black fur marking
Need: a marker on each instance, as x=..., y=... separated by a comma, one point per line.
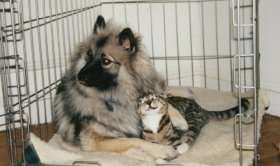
x=101, y=41
x=127, y=34
x=60, y=88
x=164, y=119
x=79, y=121
x=109, y=106
x=163, y=122
x=147, y=131
x=99, y=24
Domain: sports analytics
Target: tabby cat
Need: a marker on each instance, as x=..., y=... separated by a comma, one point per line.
x=158, y=127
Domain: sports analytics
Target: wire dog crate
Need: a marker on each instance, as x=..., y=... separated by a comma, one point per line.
x=199, y=43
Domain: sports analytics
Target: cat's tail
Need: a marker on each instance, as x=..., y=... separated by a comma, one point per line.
x=229, y=113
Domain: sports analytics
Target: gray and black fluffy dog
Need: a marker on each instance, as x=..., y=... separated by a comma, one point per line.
x=95, y=104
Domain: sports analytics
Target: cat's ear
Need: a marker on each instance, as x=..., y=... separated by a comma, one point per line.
x=99, y=24
x=127, y=40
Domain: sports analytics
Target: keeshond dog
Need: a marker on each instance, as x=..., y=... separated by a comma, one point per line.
x=96, y=102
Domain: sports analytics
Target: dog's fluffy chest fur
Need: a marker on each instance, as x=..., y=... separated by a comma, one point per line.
x=122, y=117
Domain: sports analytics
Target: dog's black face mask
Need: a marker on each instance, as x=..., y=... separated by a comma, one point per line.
x=100, y=71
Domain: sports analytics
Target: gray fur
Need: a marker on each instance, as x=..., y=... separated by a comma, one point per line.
x=112, y=112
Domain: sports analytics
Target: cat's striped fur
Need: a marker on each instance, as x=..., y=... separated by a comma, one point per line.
x=158, y=127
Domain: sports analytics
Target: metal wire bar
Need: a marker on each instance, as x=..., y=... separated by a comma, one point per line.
x=25, y=59
x=217, y=45
x=63, y=38
x=177, y=43
x=68, y=27
x=203, y=43
x=18, y=79
x=77, y=21
x=230, y=48
x=152, y=36
x=50, y=89
x=157, y=1
x=125, y=12
x=52, y=44
x=41, y=60
x=60, y=53
x=73, y=25
x=53, y=20
x=256, y=74
x=34, y=73
x=5, y=93
x=39, y=97
x=47, y=57
x=36, y=93
x=138, y=18
x=243, y=44
x=113, y=10
x=83, y=22
x=86, y=17
x=86, y=163
x=43, y=18
x=196, y=57
x=191, y=46
x=240, y=138
x=165, y=45
x=6, y=69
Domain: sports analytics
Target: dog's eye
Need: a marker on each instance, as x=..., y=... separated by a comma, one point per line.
x=106, y=61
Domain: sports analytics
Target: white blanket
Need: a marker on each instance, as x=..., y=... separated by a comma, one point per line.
x=214, y=146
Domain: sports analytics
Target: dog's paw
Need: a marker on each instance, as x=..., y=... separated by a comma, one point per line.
x=183, y=148
x=163, y=152
x=161, y=162
x=140, y=155
x=87, y=144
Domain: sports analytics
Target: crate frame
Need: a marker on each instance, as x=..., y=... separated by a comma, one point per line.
x=18, y=121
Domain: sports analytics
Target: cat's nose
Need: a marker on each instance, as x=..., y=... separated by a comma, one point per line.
x=148, y=102
x=153, y=105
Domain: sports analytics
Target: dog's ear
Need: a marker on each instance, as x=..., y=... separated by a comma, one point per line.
x=127, y=40
x=99, y=24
